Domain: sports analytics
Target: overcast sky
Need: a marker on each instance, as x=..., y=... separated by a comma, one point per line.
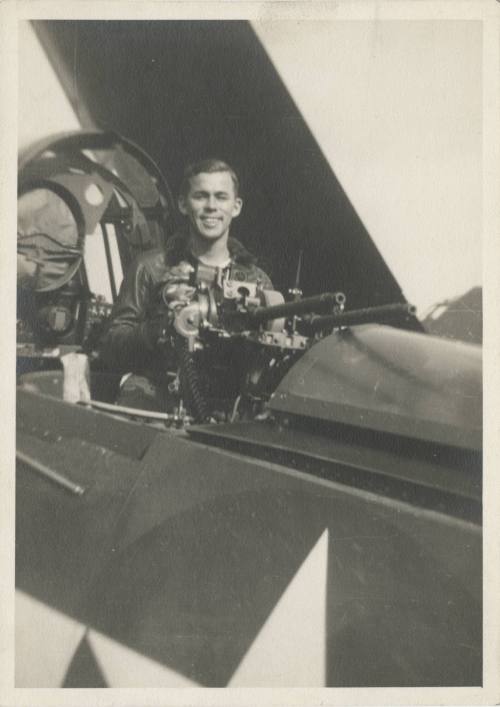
x=396, y=107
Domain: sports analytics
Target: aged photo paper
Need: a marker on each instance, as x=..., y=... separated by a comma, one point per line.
x=366, y=136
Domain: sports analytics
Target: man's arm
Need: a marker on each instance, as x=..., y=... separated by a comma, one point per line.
x=129, y=342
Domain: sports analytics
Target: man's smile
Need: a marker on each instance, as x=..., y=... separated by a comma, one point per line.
x=211, y=220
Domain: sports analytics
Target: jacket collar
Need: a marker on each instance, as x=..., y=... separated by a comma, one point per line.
x=177, y=249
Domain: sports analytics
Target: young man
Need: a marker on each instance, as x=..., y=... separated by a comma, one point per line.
x=209, y=200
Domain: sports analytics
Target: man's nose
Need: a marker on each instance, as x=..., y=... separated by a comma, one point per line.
x=211, y=203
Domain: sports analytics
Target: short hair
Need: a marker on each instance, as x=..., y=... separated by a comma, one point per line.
x=209, y=166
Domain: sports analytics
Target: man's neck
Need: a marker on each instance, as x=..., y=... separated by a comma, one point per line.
x=215, y=253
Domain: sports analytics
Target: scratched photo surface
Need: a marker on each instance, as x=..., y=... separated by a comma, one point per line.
x=249, y=392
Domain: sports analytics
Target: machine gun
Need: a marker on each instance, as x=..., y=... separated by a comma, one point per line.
x=235, y=340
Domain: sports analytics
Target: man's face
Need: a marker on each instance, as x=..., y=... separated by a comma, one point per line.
x=211, y=204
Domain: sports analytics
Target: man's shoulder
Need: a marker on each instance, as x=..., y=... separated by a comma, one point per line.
x=246, y=266
x=174, y=250
x=251, y=273
x=239, y=254
x=151, y=257
x=150, y=265
x=156, y=262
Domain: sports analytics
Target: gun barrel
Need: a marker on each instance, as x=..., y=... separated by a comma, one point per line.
x=386, y=312
x=320, y=303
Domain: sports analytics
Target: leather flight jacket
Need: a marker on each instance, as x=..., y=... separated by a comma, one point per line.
x=130, y=341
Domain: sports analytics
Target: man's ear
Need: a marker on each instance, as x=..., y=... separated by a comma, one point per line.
x=181, y=203
x=238, y=205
